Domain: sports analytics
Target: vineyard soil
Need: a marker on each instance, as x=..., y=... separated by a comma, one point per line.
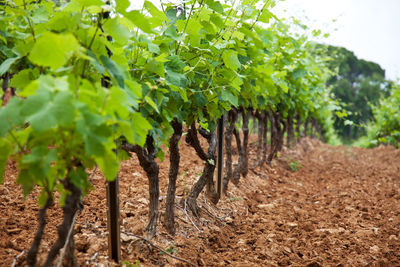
x=317, y=205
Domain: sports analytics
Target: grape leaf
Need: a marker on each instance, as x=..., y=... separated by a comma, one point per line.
x=5, y=149
x=5, y=66
x=139, y=20
x=62, y=48
x=230, y=59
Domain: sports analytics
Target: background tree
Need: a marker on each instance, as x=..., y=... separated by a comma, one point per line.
x=357, y=84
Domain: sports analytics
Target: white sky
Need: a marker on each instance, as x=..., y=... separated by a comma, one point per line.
x=370, y=28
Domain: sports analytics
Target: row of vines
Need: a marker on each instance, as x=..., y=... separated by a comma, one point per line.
x=95, y=81
x=385, y=128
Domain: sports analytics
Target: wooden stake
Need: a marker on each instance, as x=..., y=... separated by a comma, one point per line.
x=114, y=243
x=220, y=138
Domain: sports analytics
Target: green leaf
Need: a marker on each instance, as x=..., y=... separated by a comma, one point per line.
x=5, y=149
x=153, y=48
x=112, y=68
x=80, y=179
x=108, y=165
x=172, y=32
x=176, y=79
x=35, y=167
x=135, y=87
x=126, y=128
x=151, y=103
x=91, y=2
x=118, y=102
x=218, y=21
x=157, y=16
x=215, y=5
x=200, y=100
x=175, y=63
x=43, y=197
x=140, y=128
x=5, y=66
x=95, y=62
x=63, y=109
x=156, y=67
x=24, y=77
x=10, y=115
x=122, y=5
x=45, y=83
x=117, y=31
x=22, y=49
x=299, y=73
x=45, y=111
x=94, y=131
x=139, y=20
x=26, y=180
x=231, y=60
x=265, y=16
x=53, y=50
x=194, y=26
x=229, y=97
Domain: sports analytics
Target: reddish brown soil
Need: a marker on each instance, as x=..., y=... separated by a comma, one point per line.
x=340, y=208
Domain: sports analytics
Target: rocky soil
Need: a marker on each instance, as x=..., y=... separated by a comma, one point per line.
x=317, y=205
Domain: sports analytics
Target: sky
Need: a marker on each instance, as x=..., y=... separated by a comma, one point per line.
x=369, y=28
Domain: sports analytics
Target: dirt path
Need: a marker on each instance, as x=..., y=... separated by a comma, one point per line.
x=340, y=208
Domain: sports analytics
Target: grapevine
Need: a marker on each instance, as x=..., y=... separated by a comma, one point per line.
x=89, y=85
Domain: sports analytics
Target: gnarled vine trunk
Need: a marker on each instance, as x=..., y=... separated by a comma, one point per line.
x=209, y=167
x=281, y=132
x=275, y=132
x=262, y=137
x=244, y=166
x=259, y=116
x=265, y=131
x=237, y=166
x=290, y=132
x=32, y=253
x=150, y=166
x=174, y=159
x=147, y=161
x=72, y=205
x=298, y=126
x=230, y=126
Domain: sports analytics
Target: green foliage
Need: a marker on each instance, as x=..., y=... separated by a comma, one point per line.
x=68, y=122
x=136, y=264
x=171, y=250
x=295, y=166
x=357, y=84
x=385, y=129
x=90, y=82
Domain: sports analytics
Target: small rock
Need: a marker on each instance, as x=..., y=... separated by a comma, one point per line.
x=314, y=264
x=288, y=250
x=228, y=220
x=374, y=249
x=364, y=233
x=127, y=238
x=266, y=206
x=340, y=230
x=308, y=227
x=143, y=201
